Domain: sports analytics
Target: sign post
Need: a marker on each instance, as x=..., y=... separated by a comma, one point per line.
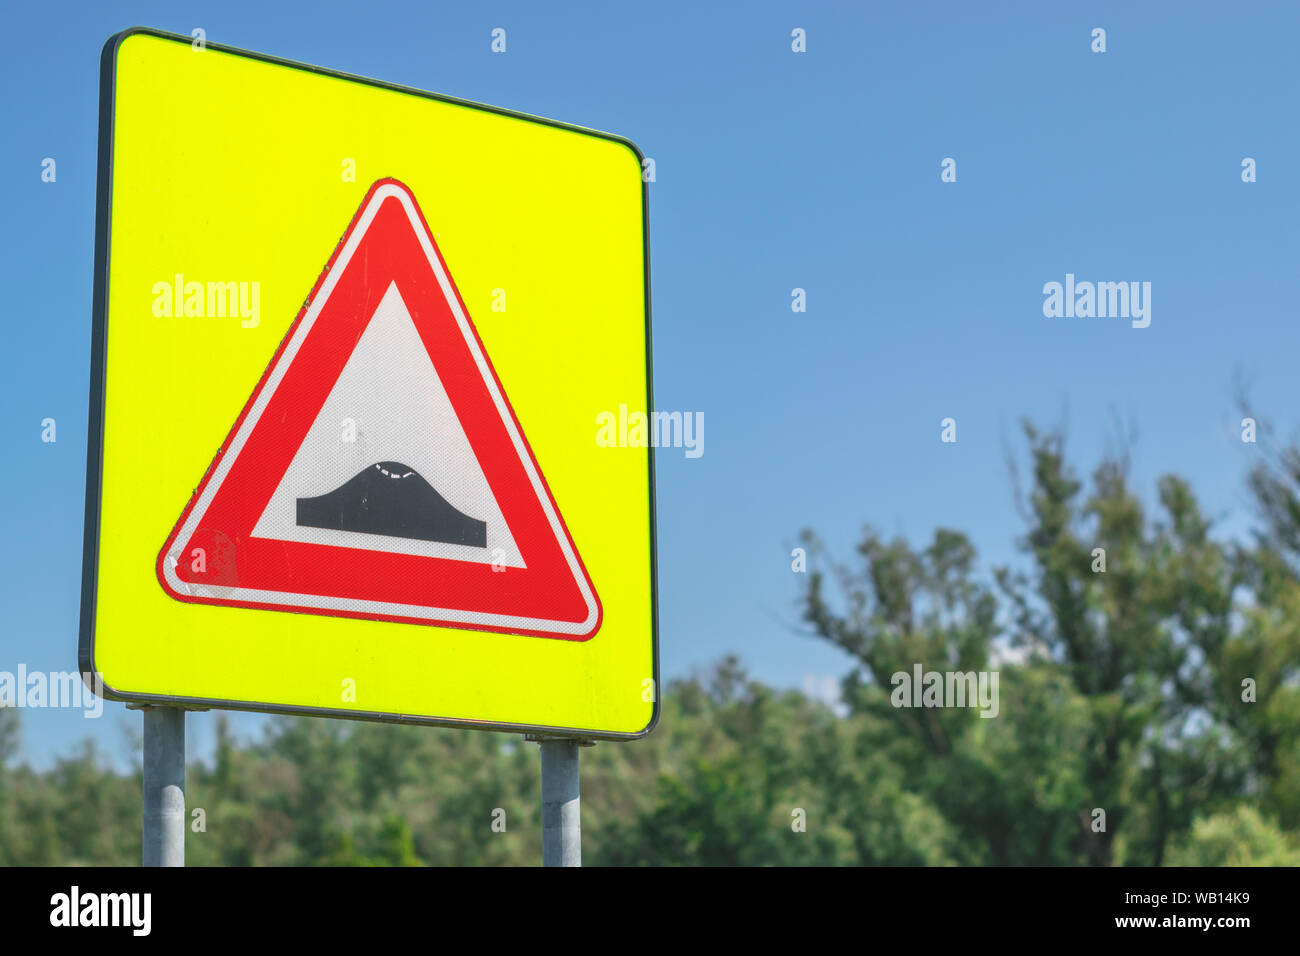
x=164, y=786
x=561, y=800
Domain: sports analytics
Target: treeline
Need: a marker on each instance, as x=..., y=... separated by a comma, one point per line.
x=1149, y=714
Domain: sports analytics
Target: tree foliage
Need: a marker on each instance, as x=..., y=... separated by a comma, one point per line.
x=1149, y=713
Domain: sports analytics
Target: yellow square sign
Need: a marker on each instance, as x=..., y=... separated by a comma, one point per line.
x=352, y=345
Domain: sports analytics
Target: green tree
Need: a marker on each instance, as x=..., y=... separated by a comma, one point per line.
x=1241, y=837
x=1162, y=690
x=1119, y=649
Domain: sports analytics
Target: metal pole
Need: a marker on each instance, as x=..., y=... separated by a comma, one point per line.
x=561, y=803
x=164, y=786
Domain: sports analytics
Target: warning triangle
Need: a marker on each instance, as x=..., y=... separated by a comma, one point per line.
x=378, y=470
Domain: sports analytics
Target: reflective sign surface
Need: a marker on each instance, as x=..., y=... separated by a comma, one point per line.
x=353, y=343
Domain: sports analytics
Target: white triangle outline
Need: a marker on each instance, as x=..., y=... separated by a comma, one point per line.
x=291, y=600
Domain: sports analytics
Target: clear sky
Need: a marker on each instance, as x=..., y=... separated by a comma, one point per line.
x=774, y=170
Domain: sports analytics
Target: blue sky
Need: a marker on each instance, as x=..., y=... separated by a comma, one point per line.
x=775, y=170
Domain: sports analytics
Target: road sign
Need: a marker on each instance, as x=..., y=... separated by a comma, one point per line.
x=384, y=339
x=372, y=489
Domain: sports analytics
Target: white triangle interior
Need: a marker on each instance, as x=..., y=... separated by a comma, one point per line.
x=389, y=404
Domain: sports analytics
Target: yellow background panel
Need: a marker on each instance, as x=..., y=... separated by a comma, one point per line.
x=227, y=168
